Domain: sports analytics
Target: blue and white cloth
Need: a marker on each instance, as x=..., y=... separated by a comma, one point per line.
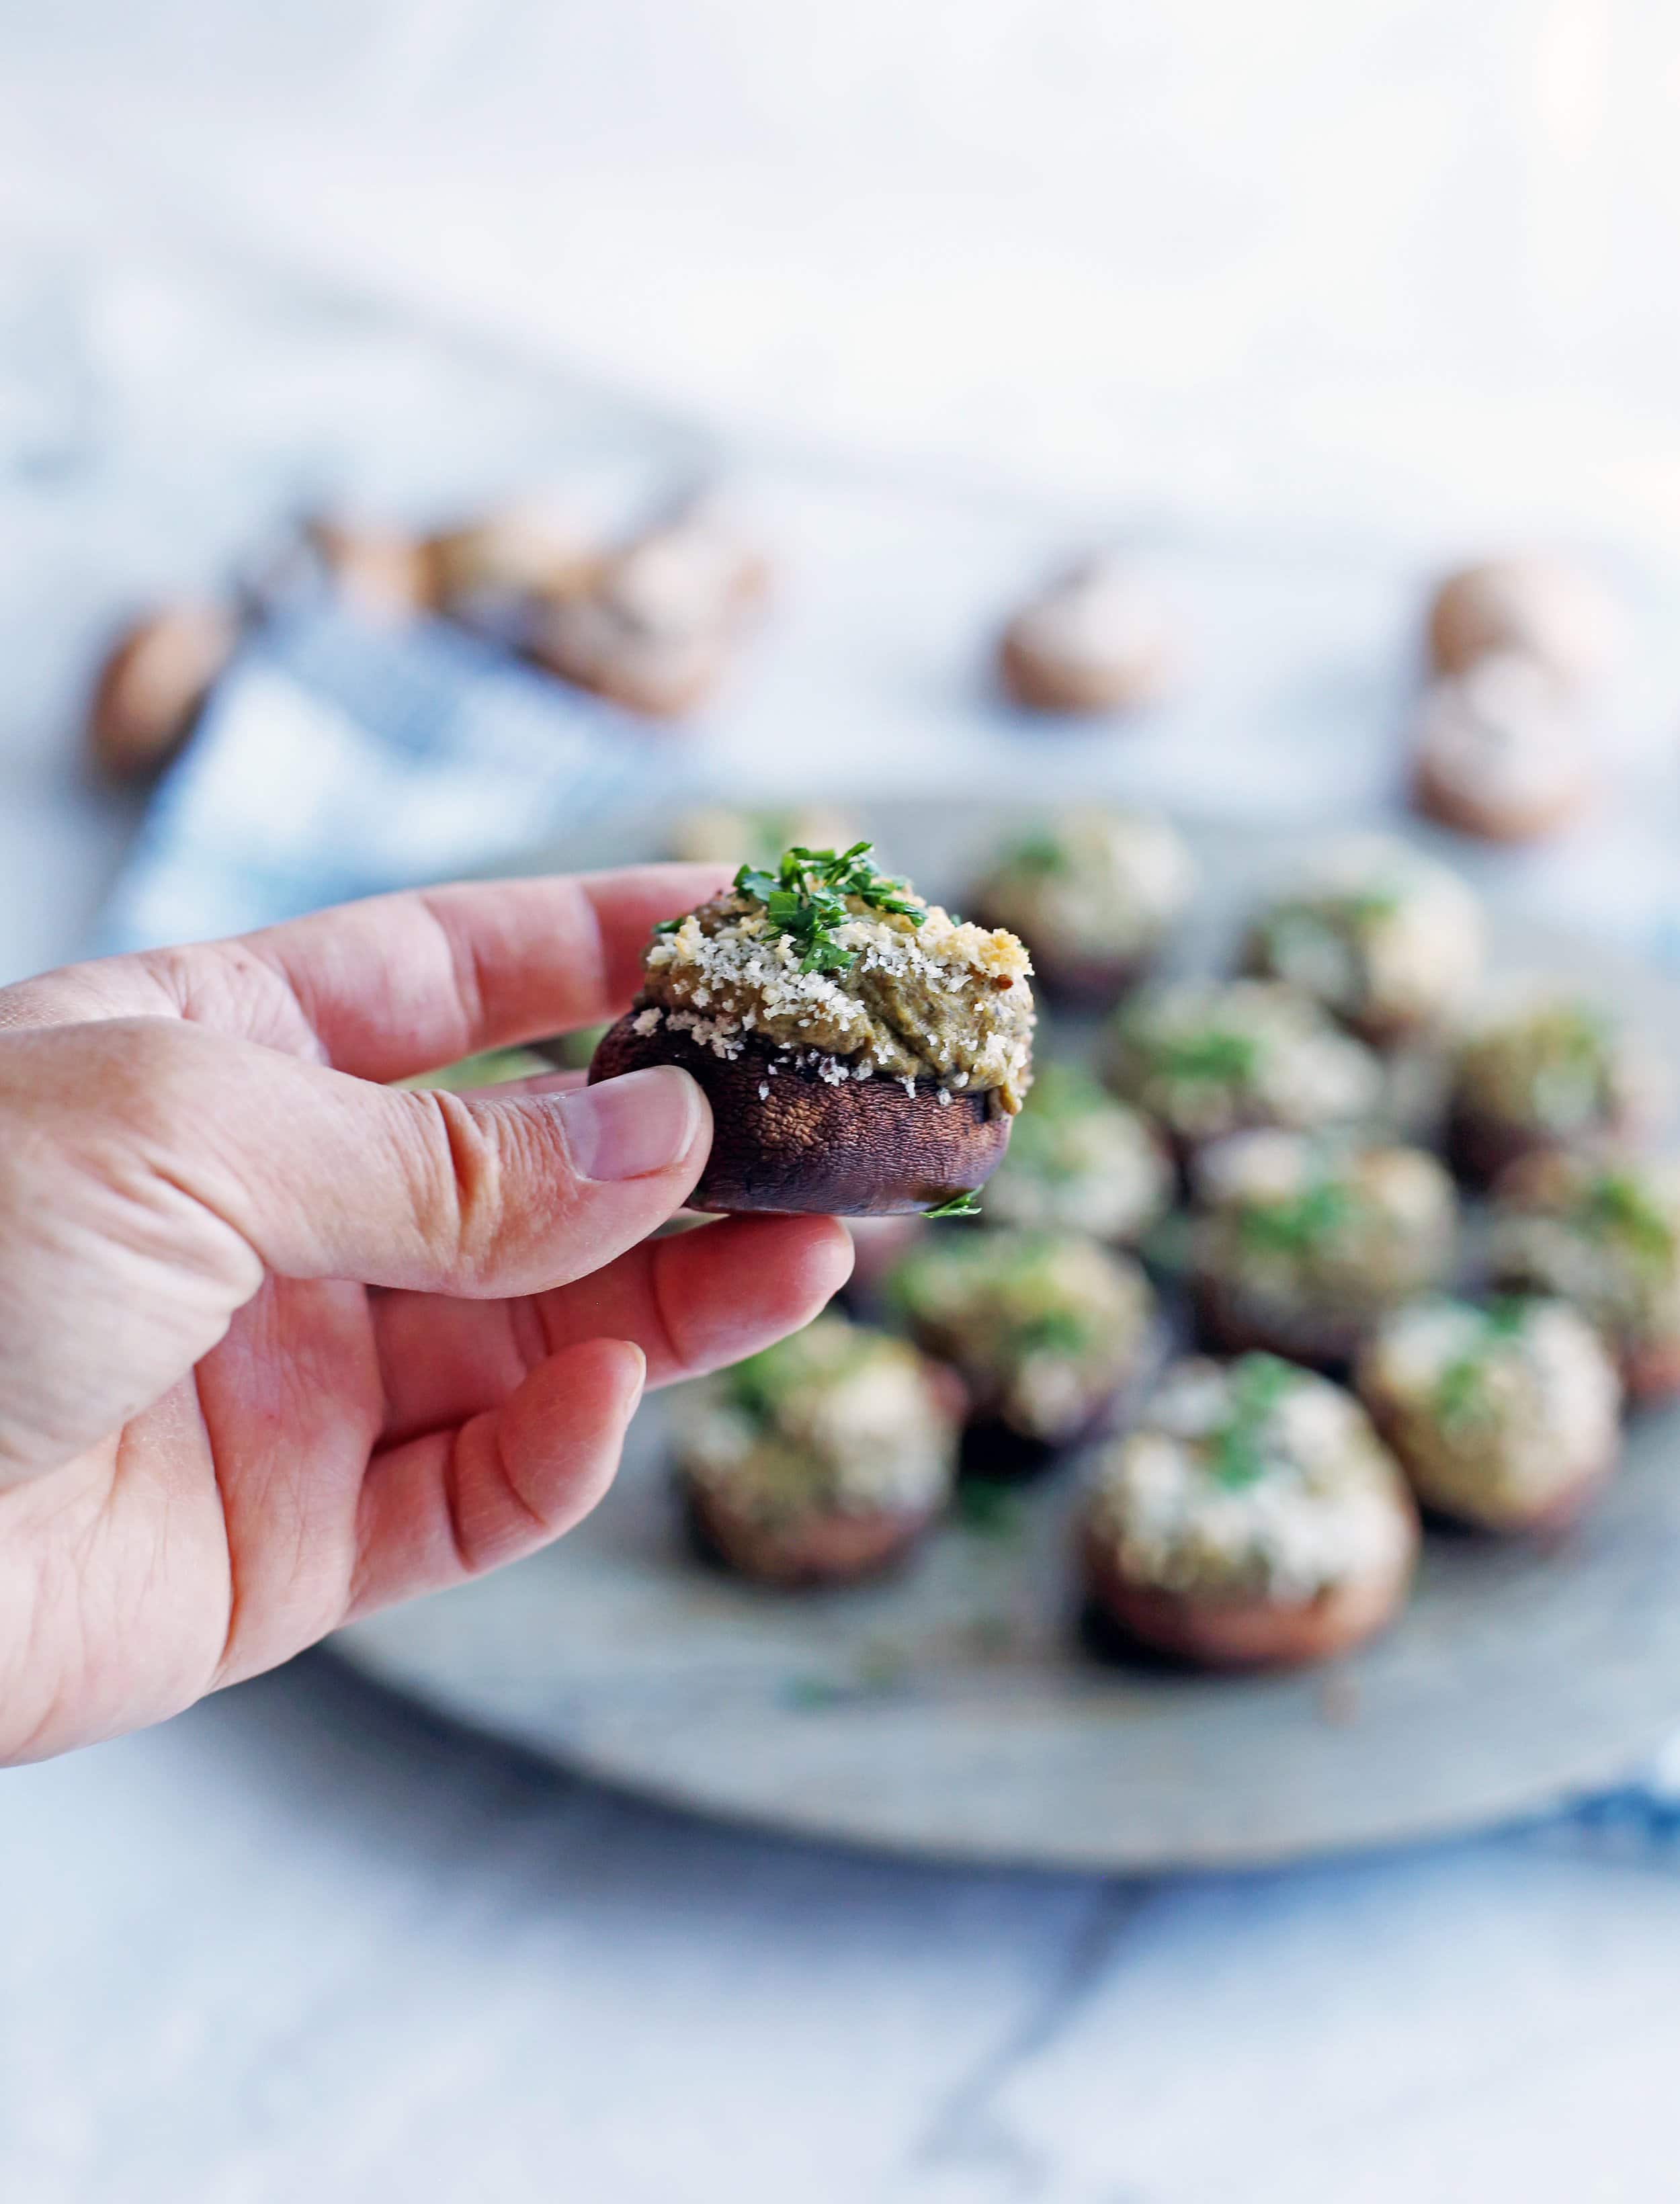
x=338, y=759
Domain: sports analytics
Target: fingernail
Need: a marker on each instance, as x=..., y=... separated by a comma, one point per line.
x=626, y=1128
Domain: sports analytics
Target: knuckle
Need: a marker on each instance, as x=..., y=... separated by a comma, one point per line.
x=478, y=1166
x=460, y=1183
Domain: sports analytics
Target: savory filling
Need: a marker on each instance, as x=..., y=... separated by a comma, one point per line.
x=1099, y=885
x=1554, y=1068
x=1252, y=1481
x=1044, y=1326
x=847, y=974
x=1374, y=932
x=1311, y=1227
x=1605, y=1236
x=1494, y=1411
x=1208, y=1056
x=1499, y=736
x=835, y=1420
x=1079, y=1161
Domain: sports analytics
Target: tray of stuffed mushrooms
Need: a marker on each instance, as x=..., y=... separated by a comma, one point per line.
x=1249, y=1430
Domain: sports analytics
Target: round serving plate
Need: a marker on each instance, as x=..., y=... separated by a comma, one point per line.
x=956, y=1709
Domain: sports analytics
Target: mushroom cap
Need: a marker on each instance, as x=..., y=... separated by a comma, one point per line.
x=1251, y=1633
x=151, y=686
x=829, y=1548
x=786, y=1140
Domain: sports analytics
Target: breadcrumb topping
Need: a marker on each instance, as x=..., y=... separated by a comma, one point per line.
x=1493, y=1412
x=835, y=1420
x=923, y=998
x=1257, y=1480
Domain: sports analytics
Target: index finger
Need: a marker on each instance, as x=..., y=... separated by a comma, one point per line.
x=400, y=983
x=404, y=983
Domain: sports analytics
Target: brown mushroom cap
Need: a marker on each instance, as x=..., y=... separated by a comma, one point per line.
x=153, y=683
x=1548, y=1517
x=812, y=1549
x=1247, y=1633
x=785, y=1139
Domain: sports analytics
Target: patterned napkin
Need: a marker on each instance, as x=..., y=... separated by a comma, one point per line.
x=337, y=759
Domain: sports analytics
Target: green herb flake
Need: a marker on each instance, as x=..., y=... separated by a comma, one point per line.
x=808, y=899
x=1461, y=1390
x=1037, y=854
x=1258, y=1382
x=757, y=1386
x=1052, y=1331
x=1212, y=1057
x=1366, y=907
x=1618, y=1207
x=1300, y=1223
x=989, y=1509
x=966, y=1204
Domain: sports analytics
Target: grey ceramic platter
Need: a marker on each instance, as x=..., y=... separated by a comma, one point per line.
x=956, y=1710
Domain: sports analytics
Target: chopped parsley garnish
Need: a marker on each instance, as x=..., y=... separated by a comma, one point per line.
x=668, y=926
x=1365, y=907
x=988, y=1507
x=966, y=1204
x=825, y=1353
x=755, y=1386
x=1258, y=1382
x=1052, y=1331
x=1572, y=1030
x=1461, y=1390
x=1299, y=1223
x=1619, y=1208
x=1354, y=913
x=806, y=899
x=1213, y=1056
x=1038, y=853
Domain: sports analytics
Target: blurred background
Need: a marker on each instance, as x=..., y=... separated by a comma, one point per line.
x=1303, y=304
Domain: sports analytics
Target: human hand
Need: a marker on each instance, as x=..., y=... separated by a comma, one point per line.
x=280, y=1344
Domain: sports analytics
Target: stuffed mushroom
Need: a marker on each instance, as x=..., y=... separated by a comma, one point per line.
x=1303, y=1244
x=1498, y=752
x=1252, y=1519
x=1386, y=940
x=824, y=1459
x=1555, y=614
x=1549, y=1072
x=1098, y=639
x=1080, y=1161
x=1094, y=894
x=656, y=627
x=862, y=1051
x=1206, y=1057
x=1505, y=1418
x=1044, y=1328
x=1602, y=1232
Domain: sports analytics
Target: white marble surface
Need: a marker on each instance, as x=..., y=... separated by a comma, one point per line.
x=301, y=1943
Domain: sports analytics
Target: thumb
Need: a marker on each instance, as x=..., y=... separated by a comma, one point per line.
x=324, y=1175
x=479, y=1194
